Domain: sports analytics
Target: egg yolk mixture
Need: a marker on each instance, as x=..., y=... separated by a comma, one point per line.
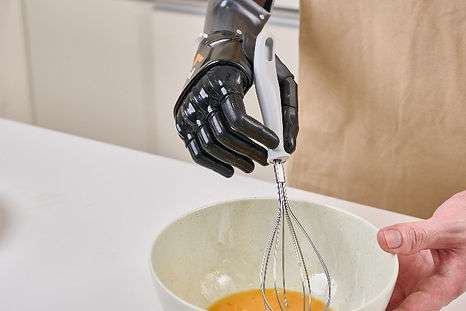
x=252, y=301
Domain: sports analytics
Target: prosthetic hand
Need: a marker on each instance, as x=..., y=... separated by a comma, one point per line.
x=210, y=115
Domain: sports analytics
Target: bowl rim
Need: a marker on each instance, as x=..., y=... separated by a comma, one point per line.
x=389, y=287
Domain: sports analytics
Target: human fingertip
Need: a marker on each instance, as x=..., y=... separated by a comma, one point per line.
x=389, y=239
x=381, y=241
x=393, y=238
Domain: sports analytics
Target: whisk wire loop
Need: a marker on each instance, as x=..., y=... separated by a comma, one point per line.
x=276, y=243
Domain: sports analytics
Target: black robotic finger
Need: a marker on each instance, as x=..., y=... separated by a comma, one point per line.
x=202, y=158
x=289, y=99
x=232, y=141
x=217, y=150
x=235, y=114
x=282, y=71
x=290, y=128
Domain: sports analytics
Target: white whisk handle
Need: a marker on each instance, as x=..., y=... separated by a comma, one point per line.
x=268, y=91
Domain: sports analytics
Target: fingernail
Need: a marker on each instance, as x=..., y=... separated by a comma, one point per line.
x=393, y=238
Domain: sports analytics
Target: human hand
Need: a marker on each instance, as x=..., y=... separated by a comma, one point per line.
x=432, y=256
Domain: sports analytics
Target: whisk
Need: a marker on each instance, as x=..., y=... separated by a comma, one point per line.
x=268, y=93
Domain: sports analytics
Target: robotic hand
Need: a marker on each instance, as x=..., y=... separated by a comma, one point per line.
x=210, y=115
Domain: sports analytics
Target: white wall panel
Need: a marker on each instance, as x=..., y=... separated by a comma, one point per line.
x=14, y=91
x=91, y=68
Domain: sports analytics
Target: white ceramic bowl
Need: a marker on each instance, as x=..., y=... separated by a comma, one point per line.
x=216, y=251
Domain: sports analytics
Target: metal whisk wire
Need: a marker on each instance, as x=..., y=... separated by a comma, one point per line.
x=286, y=217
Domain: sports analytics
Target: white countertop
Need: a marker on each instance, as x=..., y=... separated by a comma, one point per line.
x=78, y=217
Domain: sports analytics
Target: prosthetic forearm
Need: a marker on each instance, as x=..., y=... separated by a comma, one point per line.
x=245, y=18
x=210, y=114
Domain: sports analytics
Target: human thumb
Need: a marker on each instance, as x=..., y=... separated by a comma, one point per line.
x=410, y=238
x=446, y=229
